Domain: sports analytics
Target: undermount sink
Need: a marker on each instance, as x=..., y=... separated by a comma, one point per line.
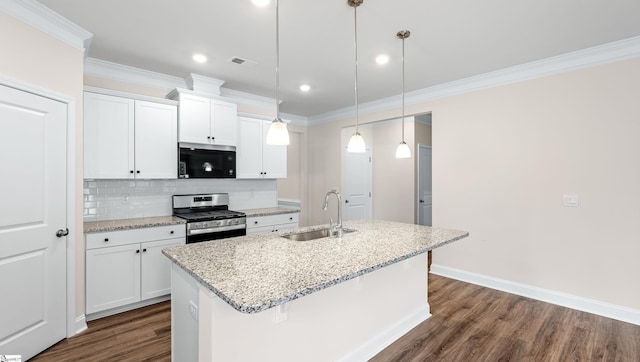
x=312, y=235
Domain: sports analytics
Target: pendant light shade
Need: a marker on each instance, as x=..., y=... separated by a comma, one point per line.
x=278, y=134
x=403, y=150
x=356, y=143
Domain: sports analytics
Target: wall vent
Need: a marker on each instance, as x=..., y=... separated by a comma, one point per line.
x=237, y=60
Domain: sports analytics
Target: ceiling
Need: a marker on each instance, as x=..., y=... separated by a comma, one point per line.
x=450, y=40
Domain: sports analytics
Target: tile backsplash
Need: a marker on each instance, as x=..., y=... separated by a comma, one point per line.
x=124, y=199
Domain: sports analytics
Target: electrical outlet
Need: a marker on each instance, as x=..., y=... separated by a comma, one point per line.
x=193, y=310
x=570, y=200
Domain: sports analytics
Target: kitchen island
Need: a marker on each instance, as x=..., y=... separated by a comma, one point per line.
x=264, y=297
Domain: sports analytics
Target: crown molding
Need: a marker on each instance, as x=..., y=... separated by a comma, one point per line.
x=48, y=21
x=124, y=73
x=585, y=58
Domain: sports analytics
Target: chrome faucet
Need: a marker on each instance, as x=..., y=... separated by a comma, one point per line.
x=334, y=229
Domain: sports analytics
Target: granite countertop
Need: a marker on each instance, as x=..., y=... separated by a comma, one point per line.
x=256, y=272
x=268, y=211
x=125, y=224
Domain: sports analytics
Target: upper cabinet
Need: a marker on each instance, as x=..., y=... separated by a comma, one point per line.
x=204, y=120
x=254, y=157
x=127, y=138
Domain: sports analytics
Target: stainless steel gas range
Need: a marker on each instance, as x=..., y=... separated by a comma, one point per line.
x=208, y=217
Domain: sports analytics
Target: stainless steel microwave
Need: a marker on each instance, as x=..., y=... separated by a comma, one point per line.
x=206, y=161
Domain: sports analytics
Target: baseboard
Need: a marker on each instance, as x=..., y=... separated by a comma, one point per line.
x=379, y=342
x=608, y=310
x=80, y=324
x=128, y=307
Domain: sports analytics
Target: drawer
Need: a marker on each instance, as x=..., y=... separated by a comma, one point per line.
x=260, y=221
x=124, y=237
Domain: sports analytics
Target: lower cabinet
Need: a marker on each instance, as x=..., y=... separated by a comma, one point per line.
x=272, y=223
x=126, y=267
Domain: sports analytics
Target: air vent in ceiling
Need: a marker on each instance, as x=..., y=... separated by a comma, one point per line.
x=242, y=61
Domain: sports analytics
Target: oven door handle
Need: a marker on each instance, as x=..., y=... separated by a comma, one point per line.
x=215, y=229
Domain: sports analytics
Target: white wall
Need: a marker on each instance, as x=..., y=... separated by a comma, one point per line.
x=504, y=157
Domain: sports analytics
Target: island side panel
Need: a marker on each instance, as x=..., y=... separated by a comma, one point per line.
x=352, y=320
x=184, y=314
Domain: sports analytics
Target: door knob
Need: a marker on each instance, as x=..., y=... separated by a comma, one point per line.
x=60, y=233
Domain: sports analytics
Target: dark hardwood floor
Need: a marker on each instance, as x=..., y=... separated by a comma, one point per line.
x=469, y=323
x=140, y=335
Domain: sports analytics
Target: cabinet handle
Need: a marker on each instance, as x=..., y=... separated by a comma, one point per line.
x=130, y=171
x=138, y=251
x=144, y=250
x=106, y=240
x=138, y=171
x=255, y=223
x=208, y=137
x=171, y=232
x=291, y=218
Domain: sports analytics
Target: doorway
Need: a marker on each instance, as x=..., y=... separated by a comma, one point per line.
x=425, y=192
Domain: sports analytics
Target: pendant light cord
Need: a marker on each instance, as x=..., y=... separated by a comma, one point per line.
x=355, y=22
x=402, y=89
x=277, y=63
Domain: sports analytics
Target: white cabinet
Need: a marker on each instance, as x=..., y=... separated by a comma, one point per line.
x=125, y=267
x=254, y=157
x=272, y=223
x=204, y=120
x=126, y=138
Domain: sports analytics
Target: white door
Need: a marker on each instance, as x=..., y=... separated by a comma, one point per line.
x=108, y=137
x=224, y=123
x=249, y=150
x=156, y=268
x=156, y=140
x=195, y=119
x=33, y=141
x=274, y=158
x=113, y=277
x=425, y=193
x=357, y=185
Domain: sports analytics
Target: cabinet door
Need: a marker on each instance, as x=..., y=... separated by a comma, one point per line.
x=156, y=140
x=194, y=123
x=156, y=268
x=224, y=123
x=112, y=277
x=108, y=137
x=274, y=158
x=249, y=150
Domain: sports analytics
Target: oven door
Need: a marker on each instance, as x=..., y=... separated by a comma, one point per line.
x=195, y=237
x=207, y=163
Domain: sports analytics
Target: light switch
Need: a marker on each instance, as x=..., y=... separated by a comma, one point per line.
x=570, y=200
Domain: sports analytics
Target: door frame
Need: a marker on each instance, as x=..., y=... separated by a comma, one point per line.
x=74, y=325
x=419, y=146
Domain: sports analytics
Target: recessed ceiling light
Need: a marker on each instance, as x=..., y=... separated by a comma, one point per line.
x=199, y=58
x=305, y=87
x=260, y=3
x=382, y=59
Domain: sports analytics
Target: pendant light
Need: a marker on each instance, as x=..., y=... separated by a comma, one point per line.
x=356, y=143
x=278, y=134
x=403, y=150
